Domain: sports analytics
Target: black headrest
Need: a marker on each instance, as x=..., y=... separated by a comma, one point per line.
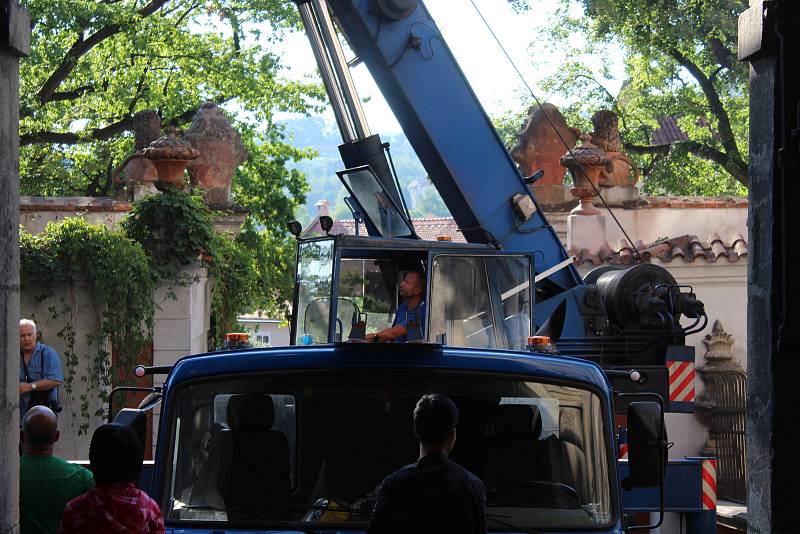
x=251, y=412
x=518, y=420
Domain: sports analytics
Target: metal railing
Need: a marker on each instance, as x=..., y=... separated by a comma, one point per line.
x=722, y=408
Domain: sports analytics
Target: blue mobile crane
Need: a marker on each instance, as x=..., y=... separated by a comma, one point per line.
x=298, y=438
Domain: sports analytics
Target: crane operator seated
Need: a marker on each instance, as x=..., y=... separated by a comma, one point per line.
x=410, y=318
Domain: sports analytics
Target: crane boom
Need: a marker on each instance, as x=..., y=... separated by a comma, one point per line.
x=448, y=128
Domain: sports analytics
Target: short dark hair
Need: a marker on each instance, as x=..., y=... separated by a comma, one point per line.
x=115, y=454
x=434, y=416
x=421, y=278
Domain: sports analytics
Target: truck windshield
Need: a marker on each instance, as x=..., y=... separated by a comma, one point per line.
x=314, y=447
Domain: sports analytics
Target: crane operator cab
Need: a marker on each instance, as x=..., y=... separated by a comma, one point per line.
x=348, y=288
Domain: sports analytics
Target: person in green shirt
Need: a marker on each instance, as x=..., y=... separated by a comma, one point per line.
x=46, y=483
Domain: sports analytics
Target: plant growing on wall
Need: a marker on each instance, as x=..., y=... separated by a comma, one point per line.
x=175, y=231
x=173, y=228
x=118, y=275
x=162, y=235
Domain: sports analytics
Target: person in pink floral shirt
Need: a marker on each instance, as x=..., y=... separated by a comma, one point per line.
x=115, y=504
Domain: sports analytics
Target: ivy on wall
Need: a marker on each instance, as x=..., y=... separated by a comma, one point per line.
x=118, y=275
x=161, y=236
x=175, y=230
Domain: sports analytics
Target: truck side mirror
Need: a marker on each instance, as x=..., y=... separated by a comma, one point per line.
x=647, y=444
x=136, y=419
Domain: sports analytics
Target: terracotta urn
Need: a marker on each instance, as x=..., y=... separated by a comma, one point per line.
x=169, y=155
x=584, y=163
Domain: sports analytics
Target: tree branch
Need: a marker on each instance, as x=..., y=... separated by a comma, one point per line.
x=71, y=95
x=734, y=166
x=71, y=138
x=40, y=138
x=83, y=46
x=726, y=136
x=647, y=149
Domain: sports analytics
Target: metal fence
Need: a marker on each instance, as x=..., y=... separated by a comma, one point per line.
x=722, y=409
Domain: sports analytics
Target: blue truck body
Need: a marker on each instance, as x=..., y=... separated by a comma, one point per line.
x=352, y=359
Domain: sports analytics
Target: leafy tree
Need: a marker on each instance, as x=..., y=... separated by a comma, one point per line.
x=680, y=63
x=95, y=63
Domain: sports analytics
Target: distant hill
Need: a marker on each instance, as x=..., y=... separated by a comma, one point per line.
x=315, y=132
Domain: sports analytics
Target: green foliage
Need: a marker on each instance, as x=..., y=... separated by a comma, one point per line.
x=680, y=62
x=273, y=266
x=161, y=236
x=74, y=253
x=235, y=285
x=93, y=65
x=173, y=228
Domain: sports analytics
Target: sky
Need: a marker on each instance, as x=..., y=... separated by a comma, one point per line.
x=491, y=75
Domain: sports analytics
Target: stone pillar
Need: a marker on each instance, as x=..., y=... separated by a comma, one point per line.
x=182, y=321
x=586, y=232
x=586, y=226
x=770, y=42
x=14, y=43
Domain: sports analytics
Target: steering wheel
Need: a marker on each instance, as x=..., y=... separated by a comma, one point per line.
x=526, y=493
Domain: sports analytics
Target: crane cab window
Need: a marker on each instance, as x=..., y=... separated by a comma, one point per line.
x=314, y=273
x=481, y=301
x=368, y=292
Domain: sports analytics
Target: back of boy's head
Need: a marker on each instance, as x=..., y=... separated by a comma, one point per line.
x=115, y=454
x=434, y=417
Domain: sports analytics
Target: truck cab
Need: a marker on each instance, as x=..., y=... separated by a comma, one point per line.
x=300, y=438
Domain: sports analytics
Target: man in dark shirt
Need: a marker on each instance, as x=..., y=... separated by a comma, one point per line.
x=434, y=495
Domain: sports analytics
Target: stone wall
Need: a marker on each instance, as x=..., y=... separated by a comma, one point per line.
x=181, y=321
x=72, y=444
x=36, y=212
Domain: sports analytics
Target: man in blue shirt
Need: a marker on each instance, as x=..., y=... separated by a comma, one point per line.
x=39, y=367
x=409, y=322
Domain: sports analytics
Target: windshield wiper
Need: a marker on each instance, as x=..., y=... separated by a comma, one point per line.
x=494, y=517
x=260, y=514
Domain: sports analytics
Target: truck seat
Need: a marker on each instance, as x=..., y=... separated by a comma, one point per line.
x=259, y=476
x=517, y=456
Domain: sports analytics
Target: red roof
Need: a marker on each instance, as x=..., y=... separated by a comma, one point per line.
x=428, y=228
x=687, y=247
x=668, y=132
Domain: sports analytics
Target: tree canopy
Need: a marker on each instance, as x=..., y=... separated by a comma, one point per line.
x=679, y=65
x=95, y=63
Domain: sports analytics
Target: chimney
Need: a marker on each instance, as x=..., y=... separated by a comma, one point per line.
x=323, y=208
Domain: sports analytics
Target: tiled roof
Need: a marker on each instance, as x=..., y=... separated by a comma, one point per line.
x=428, y=228
x=687, y=247
x=668, y=132
x=688, y=202
x=72, y=204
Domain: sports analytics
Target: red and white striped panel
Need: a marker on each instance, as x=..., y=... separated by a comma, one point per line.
x=623, y=451
x=681, y=381
x=709, y=474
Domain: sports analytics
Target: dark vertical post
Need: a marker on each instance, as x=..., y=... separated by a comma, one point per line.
x=770, y=41
x=14, y=43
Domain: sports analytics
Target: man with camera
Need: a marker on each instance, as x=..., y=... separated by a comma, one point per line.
x=39, y=371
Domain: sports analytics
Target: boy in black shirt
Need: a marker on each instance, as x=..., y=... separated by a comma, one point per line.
x=434, y=495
